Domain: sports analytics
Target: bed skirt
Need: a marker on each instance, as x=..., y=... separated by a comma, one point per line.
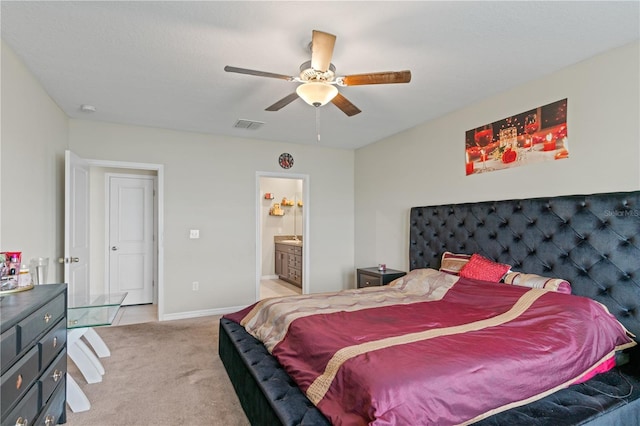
x=269, y=396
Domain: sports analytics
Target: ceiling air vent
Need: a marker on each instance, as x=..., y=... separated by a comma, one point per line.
x=248, y=124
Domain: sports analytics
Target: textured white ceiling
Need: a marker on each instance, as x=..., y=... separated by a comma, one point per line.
x=160, y=64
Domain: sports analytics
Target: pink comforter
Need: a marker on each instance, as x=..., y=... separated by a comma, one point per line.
x=432, y=348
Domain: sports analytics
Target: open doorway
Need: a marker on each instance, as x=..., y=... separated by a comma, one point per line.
x=85, y=222
x=123, y=240
x=124, y=214
x=129, y=179
x=281, y=234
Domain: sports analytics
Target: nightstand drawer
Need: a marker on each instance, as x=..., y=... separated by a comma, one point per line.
x=365, y=280
x=369, y=277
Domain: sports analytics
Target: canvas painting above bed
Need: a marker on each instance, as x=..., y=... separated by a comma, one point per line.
x=533, y=136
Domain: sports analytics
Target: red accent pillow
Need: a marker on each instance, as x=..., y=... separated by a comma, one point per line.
x=481, y=268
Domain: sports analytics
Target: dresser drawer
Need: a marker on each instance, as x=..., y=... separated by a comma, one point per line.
x=52, y=377
x=16, y=381
x=52, y=343
x=365, y=280
x=54, y=409
x=8, y=347
x=25, y=412
x=35, y=324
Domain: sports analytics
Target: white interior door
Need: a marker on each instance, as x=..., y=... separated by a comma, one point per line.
x=76, y=229
x=131, y=237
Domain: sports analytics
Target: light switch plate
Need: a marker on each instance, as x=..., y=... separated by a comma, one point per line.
x=194, y=233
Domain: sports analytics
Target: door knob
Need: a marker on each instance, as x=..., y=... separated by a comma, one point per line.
x=114, y=248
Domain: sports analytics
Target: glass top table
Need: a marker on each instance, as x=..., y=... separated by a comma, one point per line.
x=83, y=313
x=94, y=311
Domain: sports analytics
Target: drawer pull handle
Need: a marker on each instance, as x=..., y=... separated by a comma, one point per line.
x=57, y=374
x=55, y=341
x=19, y=381
x=22, y=422
x=47, y=317
x=50, y=420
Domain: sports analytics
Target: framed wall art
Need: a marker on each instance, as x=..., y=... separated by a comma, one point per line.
x=532, y=136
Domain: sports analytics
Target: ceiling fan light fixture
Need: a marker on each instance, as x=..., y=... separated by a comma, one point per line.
x=317, y=93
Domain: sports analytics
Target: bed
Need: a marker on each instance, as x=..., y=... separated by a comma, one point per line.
x=592, y=241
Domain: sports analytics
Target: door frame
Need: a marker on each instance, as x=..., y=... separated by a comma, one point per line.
x=159, y=225
x=154, y=218
x=306, y=190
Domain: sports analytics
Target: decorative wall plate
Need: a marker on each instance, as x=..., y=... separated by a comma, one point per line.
x=285, y=160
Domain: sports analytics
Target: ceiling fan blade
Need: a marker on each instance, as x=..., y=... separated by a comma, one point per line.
x=377, y=78
x=283, y=102
x=322, y=50
x=258, y=73
x=345, y=105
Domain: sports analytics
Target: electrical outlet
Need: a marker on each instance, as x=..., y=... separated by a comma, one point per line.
x=196, y=286
x=194, y=233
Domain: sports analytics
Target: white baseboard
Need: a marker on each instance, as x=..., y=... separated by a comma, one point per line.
x=269, y=277
x=202, y=313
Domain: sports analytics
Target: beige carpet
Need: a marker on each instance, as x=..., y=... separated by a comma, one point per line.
x=160, y=373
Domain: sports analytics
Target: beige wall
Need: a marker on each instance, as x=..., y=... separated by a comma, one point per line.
x=210, y=185
x=34, y=137
x=425, y=165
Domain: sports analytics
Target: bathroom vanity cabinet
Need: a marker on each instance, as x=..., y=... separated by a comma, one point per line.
x=288, y=262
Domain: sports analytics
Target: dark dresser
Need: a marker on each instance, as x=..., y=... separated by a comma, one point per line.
x=34, y=356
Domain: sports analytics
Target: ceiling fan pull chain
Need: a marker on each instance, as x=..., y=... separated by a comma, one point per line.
x=318, y=123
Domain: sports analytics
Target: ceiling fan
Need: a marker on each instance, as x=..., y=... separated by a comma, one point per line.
x=318, y=79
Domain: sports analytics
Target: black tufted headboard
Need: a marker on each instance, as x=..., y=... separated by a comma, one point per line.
x=592, y=241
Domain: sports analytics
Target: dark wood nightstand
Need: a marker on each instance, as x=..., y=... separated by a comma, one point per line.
x=368, y=277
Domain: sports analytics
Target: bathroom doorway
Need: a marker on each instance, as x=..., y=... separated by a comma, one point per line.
x=282, y=214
